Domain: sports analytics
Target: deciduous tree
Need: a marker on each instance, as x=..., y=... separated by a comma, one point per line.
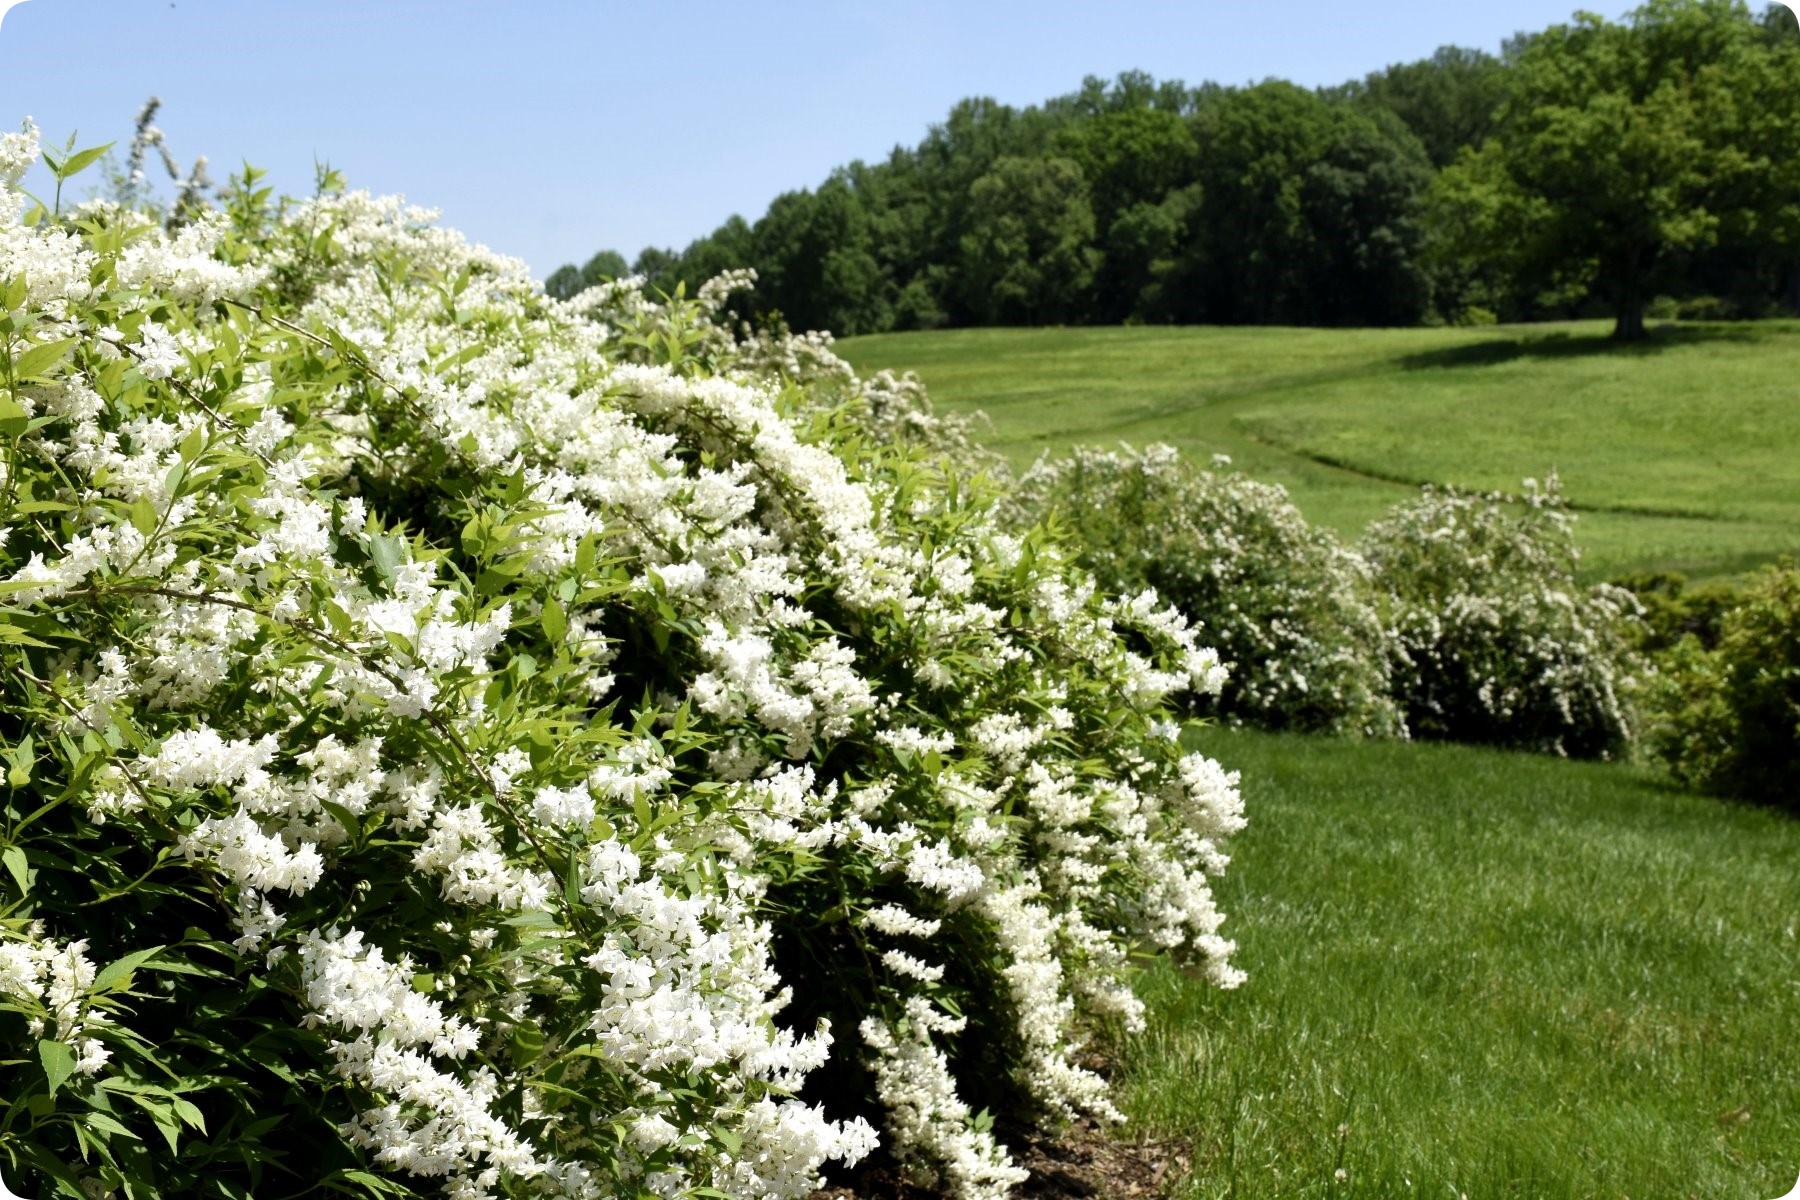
x=1029, y=254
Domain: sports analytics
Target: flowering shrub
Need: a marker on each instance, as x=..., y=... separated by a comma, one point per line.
x=1492, y=638
x=893, y=409
x=462, y=742
x=1727, y=718
x=1285, y=604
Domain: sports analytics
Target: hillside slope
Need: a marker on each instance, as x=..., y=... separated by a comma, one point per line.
x=1677, y=451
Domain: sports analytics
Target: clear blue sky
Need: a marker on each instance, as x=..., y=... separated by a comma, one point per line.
x=552, y=128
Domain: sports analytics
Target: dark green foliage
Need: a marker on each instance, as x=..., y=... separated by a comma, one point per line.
x=1140, y=164
x=1675, y=609
x=566, y=281
x=1141, y=272
x=1727, y=718
x=1129, y=156
x=1310, y=213
x=1588, y=168
x=1626, y=149
x=1028, y=256
x=818, y=266
x=1363, y=202
x=1449, y=100
x=661, y=269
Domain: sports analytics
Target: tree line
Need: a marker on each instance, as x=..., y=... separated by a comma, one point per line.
x=1592, y=167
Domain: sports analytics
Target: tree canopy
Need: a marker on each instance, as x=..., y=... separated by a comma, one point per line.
x=1588, y=168
x=1626, y=149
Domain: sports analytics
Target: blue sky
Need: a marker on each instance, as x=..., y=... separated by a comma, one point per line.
x=550, y=129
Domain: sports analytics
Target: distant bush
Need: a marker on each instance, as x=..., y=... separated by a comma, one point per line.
x=1727, y=719
x=1475, y=314
x=1674, y=609
x=1492, y=639
x=1283, y=602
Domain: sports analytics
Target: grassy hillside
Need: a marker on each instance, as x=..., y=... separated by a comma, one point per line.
x=1680, y=451
x=1485, y=975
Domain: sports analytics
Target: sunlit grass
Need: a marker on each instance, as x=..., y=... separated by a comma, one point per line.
x=1678, y=451
x=1482, y=974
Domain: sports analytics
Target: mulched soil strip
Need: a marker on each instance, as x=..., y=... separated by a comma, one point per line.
x=1080, y=1163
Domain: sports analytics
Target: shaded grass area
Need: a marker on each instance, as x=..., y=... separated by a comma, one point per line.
x=1679, y=451
x=1485, y=975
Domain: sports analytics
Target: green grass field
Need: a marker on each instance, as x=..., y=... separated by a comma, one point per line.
x=1485, y=975
x=1680, y=452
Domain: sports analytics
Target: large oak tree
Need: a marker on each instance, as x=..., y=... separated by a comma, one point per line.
x=1625, y=145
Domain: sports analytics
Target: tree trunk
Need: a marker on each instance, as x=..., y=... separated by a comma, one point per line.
x=1630, y=324
x=1630, y=310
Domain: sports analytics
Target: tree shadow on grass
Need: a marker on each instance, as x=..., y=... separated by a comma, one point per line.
x=1562, y=344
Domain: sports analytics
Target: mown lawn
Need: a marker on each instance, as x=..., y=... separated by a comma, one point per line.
x=1680, y=452
x=1486, y=975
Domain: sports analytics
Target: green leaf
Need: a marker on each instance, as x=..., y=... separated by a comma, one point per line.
x=387, y=551
x=81, y=160
x=13, y=419
x=338, y=619
x=94, y=1119
x=374, y=1182
x=342, y=816
x=474, y=536
x=58, y=1060
x=118, y=972
x=18, y=866
x=12, y=634
x=189, y=1113
x=556, y=621
x=19, y=761
x=572, y=882
x=39, y=358
x=527, y=1043
x=67, y=1182
x=143, y=516
x=535, y=918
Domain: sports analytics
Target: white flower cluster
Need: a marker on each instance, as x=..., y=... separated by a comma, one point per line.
x=913, y=1079
x=526, y=682
x=48, y=982
x=437, y=1123
x=1287, y=607
x=1492, y=638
